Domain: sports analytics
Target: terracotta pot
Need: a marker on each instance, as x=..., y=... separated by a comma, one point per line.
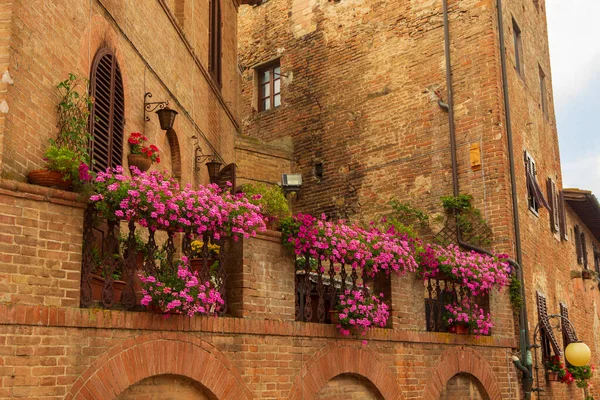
x=97, y=283
x=46, y=178
x=141, y=161
x=334, y=316
x=197, y=264
x=552, y=376
x=461, y=329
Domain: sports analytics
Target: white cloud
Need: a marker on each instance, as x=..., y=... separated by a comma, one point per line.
x=574, y=46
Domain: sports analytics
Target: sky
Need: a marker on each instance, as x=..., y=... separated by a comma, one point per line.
x=575, y=61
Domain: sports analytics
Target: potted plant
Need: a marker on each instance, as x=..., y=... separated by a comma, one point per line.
x=587, y=274
x=271, y=200
x=465, y=317
x=358, y=312
x=141, y=156
x=178, y=291
x=197, y=256
x=97, y=279
x=581, y=375
x=67, y=158
x=555, y=370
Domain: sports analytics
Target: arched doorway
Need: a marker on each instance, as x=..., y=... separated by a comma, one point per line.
x=349, y=387
x=166, y=387
x=464, y=386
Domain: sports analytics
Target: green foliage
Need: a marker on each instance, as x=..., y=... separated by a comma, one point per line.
x=582, y=375
x=515, y=293
x=64, y=160
x=270, y=198
x=140, y=245
x=407, y=219
x=473, y=227
x=289, y=229
x=74, y=111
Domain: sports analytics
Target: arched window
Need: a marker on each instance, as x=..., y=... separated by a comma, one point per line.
x=108, y=111
x=214, y=59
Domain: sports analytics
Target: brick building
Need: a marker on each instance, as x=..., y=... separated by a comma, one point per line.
x=362, y=94
x=360, y=105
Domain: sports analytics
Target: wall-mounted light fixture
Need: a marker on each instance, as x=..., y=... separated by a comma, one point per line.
x=291, y=183
x=166, y=116
x=199, y=157
x=213, y=170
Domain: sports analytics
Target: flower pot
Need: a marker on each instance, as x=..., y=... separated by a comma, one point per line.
x=587, y=274
x=141, y=161
x=461, y=329
x=97, y=283
x=334, y=316
x=197, y=264
x=47, y=178
x=552, y=376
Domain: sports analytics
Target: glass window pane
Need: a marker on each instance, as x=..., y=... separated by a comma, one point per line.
x=277, y=71
x=277, y=100
x=277, y=84
x=266, y=104
x=265, y=91
x=265, y=76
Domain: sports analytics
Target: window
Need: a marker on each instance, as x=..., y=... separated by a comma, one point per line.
x=555, y=217
x=107, y=118
x=518, y=49
x=548, y=339
x=580, y=247
x=597, y=259
x=214, y=59
x=584, y=254
x=564, y=231
x=535, y=197
x=269, y=86
x=567, y=332
x=544, y=93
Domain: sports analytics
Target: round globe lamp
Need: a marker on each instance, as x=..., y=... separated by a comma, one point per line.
x=578, y=354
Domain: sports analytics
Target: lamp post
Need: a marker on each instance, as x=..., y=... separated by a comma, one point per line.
x=577, y=353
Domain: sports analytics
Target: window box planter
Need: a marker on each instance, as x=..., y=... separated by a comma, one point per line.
x=459, y=329
x=141, y=161
x=552, y=376
x=97, y=283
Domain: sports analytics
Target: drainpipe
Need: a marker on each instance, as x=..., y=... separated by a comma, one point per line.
x=521, y=364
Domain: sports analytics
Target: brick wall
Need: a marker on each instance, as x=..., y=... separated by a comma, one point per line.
x=463, y=386
x=349, y=387
x=165, y=387
x=261, y=162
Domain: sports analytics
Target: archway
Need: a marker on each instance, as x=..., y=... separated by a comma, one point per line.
x=163, y=387
x=160, y=354
x=349, y=387
x=464, y=386
x=331, y=362
x=458, y=361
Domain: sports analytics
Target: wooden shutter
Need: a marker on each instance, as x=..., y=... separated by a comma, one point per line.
x=564, y=231
x=215, y=44
x=578, y=248
x=567, y=332
x=584, y=253
x=554, y=205
x=227, y=174
x=545, y=329
x=108, y=111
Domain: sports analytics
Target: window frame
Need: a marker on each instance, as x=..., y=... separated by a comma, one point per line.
x=518, y=45
x=532, y=202
x=269, y=67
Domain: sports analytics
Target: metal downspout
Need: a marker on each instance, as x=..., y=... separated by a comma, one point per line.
x=524, y=334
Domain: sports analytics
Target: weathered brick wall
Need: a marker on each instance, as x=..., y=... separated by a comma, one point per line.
x=259, y=162
x=165, y=387
x=463, y=386
x=40, y=245
x=154, y=54
x=349, y=387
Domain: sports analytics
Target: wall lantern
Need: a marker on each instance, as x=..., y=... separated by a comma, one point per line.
x=291, y=183
x=213, y=170
x=577, y=353
x=166, y=116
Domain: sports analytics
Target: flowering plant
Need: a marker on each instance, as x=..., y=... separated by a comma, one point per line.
x=479, y=273
x=136, y=145
x=197, y=245
x=554, y=364
x=158, y=202
x=581, y=375
x=358, y=312
x=179, y=291
x=470, y=314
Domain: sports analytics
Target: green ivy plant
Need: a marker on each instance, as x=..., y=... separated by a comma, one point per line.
x=473, y=227
x=515, y=293
x=408, y=219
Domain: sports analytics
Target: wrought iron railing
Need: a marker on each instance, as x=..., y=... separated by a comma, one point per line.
x=438, y=293
x=319, y=284
x=125, y=259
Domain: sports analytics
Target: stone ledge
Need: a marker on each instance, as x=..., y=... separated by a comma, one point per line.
x=68, y=317
x=40, y=193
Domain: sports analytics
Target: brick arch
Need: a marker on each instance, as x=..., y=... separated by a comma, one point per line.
x=150, y=355
x=175, y=153
x=457, y=361
x=334, y=361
